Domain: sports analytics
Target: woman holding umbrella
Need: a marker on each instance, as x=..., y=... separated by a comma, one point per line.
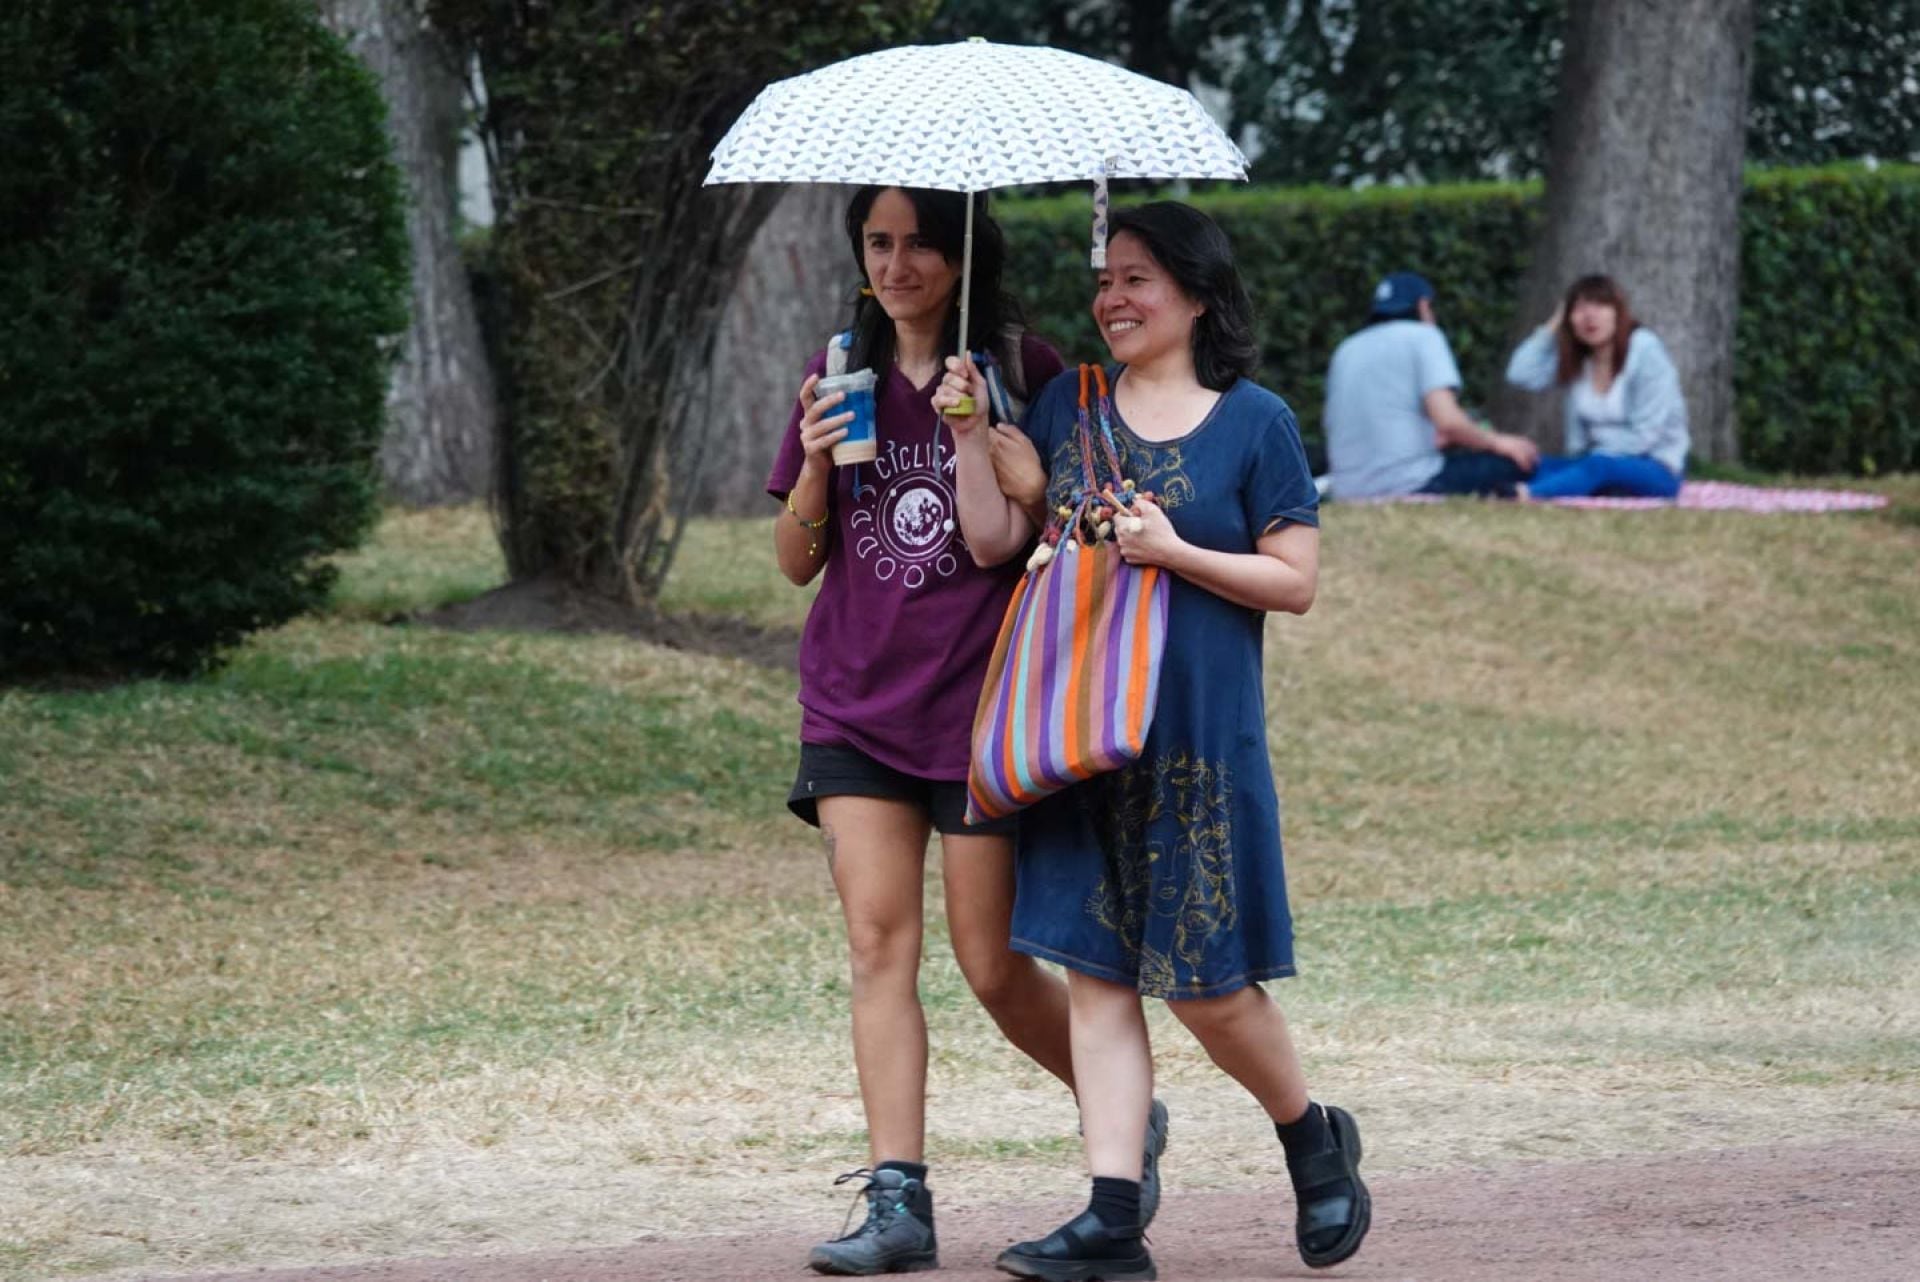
x=1164, y=878
x=891, y=662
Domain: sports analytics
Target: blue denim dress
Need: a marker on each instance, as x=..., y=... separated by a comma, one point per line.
x=1168, y=875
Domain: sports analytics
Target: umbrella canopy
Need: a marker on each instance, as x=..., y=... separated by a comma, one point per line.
x=970, y=116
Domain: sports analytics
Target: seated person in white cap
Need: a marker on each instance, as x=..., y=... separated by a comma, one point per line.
x=1393, y=419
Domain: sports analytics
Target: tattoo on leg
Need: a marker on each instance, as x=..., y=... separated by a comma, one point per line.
x=826, y=836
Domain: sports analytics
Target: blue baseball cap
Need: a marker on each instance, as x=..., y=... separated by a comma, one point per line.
x=1398, y=295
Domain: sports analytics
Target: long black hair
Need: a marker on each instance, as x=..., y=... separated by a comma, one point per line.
x=942, y=216
x=1199, y=257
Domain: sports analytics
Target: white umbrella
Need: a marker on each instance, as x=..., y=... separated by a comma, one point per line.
x=970, y=116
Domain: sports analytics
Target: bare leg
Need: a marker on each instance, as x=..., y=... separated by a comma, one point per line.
x=1029, y=1004
x=1113, y=1065
x=876, y=850
x=1246, y=1035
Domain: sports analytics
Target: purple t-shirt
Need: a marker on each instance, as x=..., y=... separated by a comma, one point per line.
x=897, y=643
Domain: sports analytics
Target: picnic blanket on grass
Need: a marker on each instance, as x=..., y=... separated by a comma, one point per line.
x=1709, y=496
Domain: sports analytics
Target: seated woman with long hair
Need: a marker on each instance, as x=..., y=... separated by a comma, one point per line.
x=1626, y=419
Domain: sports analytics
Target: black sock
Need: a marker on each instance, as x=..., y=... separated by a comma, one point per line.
x=912, y=1170
x=1116, y=1202
x=1307, y=1135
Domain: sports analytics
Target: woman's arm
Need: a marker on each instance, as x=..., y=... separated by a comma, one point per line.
x=1452, y=427
x=1282, y=573
x=1019, y=473
x=1656, y=407
x=801, y=533
x=995, y=526
x=1535, y=362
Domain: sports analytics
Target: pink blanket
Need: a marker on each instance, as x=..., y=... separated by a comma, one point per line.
x=1712, y=496
x=1725, y=496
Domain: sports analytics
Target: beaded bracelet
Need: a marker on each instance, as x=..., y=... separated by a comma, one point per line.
x=813, y=542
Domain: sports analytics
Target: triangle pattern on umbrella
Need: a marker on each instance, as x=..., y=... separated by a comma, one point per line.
x=971, y=116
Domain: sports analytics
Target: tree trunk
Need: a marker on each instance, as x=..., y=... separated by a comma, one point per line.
x=610, y=262
x=1643, y=184
x=792, y=294
x=439, y=440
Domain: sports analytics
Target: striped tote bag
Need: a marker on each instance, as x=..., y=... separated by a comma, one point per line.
x=1070, y=689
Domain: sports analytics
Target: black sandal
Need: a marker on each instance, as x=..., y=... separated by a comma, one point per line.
x=1326, y=1170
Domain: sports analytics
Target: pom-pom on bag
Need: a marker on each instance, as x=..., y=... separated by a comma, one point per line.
x=1075, y=673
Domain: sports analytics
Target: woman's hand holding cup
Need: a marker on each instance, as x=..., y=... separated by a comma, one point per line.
x=820, y=427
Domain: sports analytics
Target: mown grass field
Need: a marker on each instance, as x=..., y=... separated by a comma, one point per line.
x=1603, y=830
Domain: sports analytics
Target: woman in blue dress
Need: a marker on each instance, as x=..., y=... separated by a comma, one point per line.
x=1165, y=879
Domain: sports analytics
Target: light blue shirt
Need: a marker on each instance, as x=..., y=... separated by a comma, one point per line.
x=1655, y=422
x=1379, y=439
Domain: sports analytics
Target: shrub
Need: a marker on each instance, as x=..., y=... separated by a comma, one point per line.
x=1827, y=369
x=202, y=263
x=1827, y=357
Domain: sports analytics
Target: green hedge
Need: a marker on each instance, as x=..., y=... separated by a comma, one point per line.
x=1827, y=371
x=202, y=266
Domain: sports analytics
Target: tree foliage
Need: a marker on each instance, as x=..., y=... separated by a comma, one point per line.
x=608, y=262
x=1335, y=91
x=202, y=264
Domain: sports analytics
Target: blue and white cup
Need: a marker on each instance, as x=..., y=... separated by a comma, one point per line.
x=858, y=445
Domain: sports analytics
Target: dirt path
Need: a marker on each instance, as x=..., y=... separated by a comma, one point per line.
x=1848, y=1211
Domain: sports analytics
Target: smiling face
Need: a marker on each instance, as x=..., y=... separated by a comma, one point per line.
x=1593, y=322
x=1140, y=309
x=911, y=279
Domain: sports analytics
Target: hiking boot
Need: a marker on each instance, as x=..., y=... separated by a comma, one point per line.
x=1082, y=1249
x=1150, y=1162
x=897, y=1236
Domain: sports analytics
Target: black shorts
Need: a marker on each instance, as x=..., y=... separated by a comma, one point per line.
x=834, y=770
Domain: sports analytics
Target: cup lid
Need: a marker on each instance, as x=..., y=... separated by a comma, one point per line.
x=852, y=380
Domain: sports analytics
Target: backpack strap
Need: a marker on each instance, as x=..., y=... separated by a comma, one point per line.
x=1007, y=384
x=1015, y=339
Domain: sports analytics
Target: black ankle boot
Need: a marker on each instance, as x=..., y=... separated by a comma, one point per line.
x=1082, y=1249
x=1333, y=1209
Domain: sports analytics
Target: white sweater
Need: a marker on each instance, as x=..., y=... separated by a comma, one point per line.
x=1656, y=425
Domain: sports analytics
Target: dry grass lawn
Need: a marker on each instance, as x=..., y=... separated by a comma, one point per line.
x=1603, y=830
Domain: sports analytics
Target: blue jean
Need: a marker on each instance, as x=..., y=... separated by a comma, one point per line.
x=1478, y=472
x=1621, y=475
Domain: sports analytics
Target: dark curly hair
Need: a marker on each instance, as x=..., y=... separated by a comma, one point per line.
x=1199, y=257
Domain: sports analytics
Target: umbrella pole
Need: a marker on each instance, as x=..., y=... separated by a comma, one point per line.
x=965, y=408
